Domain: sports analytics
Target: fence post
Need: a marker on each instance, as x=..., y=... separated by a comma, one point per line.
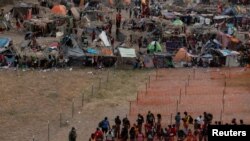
x=171, y=118
x=100, y=83
x=82, y=99
x=146, y=88
x=188, y=79
x=180, y=96
x=108, y=77
x=177, y=106
x=137, y=96
x=149, y=81
x=73, y=108
x=92, y=90
x=156, y=75
x=185, y=88
x=221, y=116
x=130, y=102
x=193, y=73
x=48, y=131
x=60, y=119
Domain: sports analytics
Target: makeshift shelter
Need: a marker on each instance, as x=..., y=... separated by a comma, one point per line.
x=231, y=57
x=70, y=48
x=153, y=47
x=59, y=9
x=21, y=10
x=4, y=43
x=163, y=60
x=178, y=22
x=127, y=52
x=182, y=56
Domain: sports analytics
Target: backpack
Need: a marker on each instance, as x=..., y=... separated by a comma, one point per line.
x=100, y=124
x=191, y=120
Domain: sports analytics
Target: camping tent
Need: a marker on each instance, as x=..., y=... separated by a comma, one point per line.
x=59, y=9
x=182, y=56
x=178, y=22
x=154, y=46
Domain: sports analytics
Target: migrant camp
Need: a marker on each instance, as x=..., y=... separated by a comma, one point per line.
x=155, y=70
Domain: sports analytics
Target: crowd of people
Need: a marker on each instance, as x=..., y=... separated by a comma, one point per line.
x=151, y=128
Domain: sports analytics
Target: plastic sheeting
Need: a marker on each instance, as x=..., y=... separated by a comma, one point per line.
x=127, y=52
x=104, y=38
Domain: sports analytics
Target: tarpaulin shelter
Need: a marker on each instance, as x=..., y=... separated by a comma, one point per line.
x=182, y=56
x=231, y=57
x=154, y=46
x=21, y=10
x=127, y=52
x=178, y=22
x=70, y=48
x=104, y=38
x=4, y=44
x=59, y=9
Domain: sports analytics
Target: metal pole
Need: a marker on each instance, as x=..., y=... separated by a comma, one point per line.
x=100, y=82
x=185, y=88
x=108, y=77
x=60, y=119
x=171, y=118
x=48, y=131
x=130, y=107
x=137, y=96
x=82, y=99
x=149, y=81
x=221, y=115
x=72, y=108
x=194, y=73
x=180, y=96
x=177, y=108
x=92, y=90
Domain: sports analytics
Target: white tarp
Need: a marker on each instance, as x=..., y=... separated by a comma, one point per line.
x=127, y=52
x=104, y=38
x=75, y=13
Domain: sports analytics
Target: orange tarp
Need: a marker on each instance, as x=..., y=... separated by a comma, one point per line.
x=182, y=55
x=59, y=9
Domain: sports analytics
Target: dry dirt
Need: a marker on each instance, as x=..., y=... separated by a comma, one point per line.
x=32, y=98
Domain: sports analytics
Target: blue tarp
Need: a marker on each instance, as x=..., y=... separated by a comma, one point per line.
x=4, y=42
x=92, y=51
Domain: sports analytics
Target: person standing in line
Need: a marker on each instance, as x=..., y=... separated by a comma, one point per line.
x=72, y=134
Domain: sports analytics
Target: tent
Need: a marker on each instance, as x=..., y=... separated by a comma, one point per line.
x=178, y=22
x=154, y=46
x=127, y=52
x=182, y=56
x=4, y=44
x=231, y=57
x=59, y=9
x=104, y=38
x=21, y=10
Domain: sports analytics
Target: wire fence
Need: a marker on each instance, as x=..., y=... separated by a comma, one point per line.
x=195, y=91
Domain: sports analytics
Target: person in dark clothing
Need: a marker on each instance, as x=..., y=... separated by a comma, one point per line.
x=124, y=134
x=72, y=134
x=140, y=121
x=117, y=126
x=126, y=122
x=93, y=35
x=132, y=134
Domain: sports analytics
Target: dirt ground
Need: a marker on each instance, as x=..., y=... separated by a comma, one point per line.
x=32, y=98
x=29, y=99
